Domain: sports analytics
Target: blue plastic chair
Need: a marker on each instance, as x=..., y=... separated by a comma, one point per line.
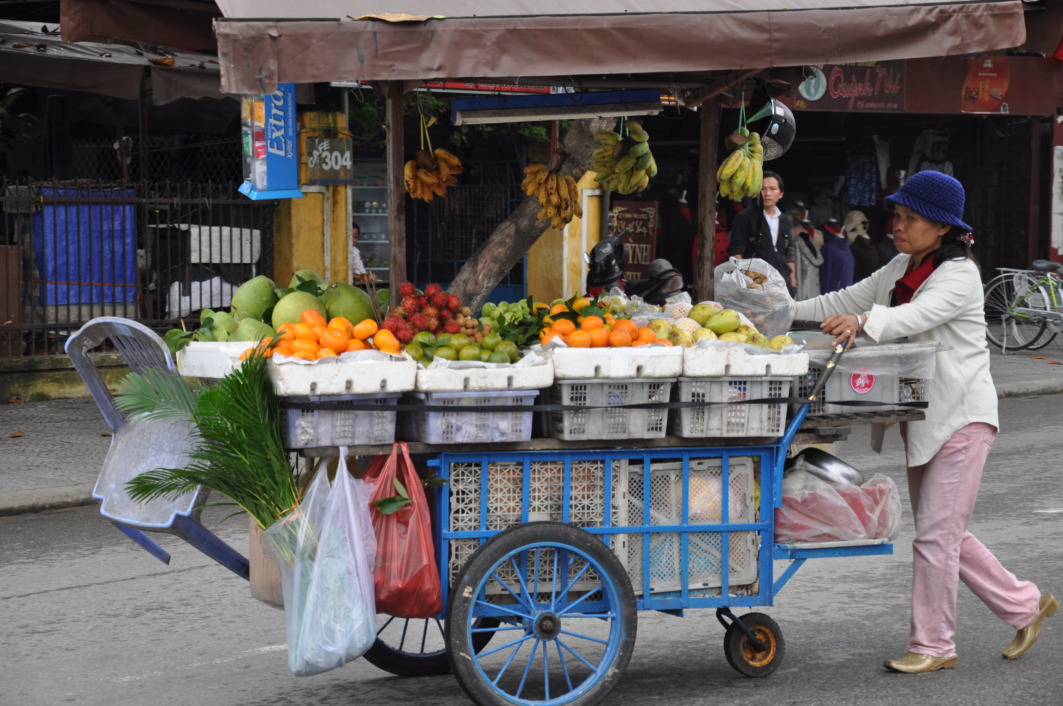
x=139, y=444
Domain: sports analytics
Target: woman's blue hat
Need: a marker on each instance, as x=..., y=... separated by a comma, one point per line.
x=932, y=195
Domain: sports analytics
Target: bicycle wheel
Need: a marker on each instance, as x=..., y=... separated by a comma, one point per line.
x=1011, y=306
x=567, y=615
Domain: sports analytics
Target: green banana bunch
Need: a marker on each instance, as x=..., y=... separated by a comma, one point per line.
x=742, y=171
x=623, y=164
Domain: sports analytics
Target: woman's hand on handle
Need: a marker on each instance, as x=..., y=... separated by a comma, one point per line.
x=844, y=328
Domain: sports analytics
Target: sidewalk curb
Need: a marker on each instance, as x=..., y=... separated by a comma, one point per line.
x=1029, y=389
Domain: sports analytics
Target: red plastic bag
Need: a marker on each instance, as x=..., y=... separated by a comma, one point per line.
x=405, y=572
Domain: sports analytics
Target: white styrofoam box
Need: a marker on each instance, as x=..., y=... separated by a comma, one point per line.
x=704, y=506
x=461, y=423
x=712, y=359
x=469, y=377
x=648, y=361
x=207, y=359
x=307, y=425
x=731, y=416
x=608, y=415
x=354, y=373
x=885, y=374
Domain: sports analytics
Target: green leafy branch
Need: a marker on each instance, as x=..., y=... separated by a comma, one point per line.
x=394, y=503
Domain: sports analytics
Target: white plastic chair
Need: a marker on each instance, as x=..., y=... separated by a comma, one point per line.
x=139, y=444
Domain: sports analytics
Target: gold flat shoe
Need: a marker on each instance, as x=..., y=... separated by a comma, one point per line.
x=1025, y=637
x=915, y=663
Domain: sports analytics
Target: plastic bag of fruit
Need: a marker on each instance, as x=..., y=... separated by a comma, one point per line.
x=756, y=289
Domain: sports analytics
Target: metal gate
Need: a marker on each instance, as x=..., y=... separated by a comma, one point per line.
x=158, y=253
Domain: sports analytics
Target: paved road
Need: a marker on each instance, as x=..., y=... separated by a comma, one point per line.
x=91, y=619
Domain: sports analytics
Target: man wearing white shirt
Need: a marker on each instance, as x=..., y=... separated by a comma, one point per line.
x=760, y=231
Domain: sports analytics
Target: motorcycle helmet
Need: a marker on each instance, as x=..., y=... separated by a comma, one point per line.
x=779, y=132
x=606, y=261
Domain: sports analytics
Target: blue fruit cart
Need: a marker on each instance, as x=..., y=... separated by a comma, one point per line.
x=547, y=551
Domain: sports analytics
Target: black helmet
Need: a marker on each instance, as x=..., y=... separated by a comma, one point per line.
x=778, y=133
x=606, y=261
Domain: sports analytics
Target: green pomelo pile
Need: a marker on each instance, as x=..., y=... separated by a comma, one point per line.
x=251, y=330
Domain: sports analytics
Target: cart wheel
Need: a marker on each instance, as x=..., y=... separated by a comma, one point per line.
x=744, y=656
x=567, y=616
x=414, y=647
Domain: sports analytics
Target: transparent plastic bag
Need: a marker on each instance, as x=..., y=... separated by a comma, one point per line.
x=814, y=510
x=405, y=572
x=326, y=550
x=763, y=299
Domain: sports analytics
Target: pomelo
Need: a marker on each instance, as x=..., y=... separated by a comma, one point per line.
x=254, y=297
x=251, y=330
x=346, y=300
x=302, y=276
x=292, y=305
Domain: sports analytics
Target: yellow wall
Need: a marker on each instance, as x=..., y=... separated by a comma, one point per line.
x=300, y=240
x=555, y=263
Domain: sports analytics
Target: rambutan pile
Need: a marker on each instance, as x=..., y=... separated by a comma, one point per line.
x=436, y=311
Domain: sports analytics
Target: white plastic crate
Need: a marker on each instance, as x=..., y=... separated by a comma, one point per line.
x=206, y=359
x=354, y=373
x=731, y=416
x=505, y=499
x=607, y=415
x=457, y=426
x=884, y=374
x=615, y=363
x=718, y=359
x=704, y=506
x=457, y=377
x=306, y=425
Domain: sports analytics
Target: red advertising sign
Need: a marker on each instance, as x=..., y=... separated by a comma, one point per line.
x=871, y=86
x=639, y=219
x=985, y=90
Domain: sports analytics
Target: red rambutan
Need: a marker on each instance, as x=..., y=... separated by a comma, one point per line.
x=430, y=311
x=405, y=335
x=406, y=289
x=433, y=324
x=453, y=302
x=409, y=304
x=391, y=323
x=452, y=326
x=432, y=289
x=418, y=322
x=439, y=300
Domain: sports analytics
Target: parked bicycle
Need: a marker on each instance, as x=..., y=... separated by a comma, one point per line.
x=1024, y=308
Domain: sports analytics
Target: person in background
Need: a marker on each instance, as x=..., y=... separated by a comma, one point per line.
x=761, y=231
x=807, y=242
x=865, y=255
x=836, y=272
x=354, y=258
x=932, y=292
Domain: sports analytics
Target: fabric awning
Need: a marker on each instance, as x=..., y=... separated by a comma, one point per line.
x=265, y=42
x=32, y=54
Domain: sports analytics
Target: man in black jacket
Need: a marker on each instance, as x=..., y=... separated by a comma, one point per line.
x=763, y=231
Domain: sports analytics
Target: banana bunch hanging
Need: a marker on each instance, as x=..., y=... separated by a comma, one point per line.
x=623, y=164
x=557, y=194
x=430, y=173
x=742, y=171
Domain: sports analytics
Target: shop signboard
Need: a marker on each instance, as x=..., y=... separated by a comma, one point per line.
x=871, y=86
x=639, y=219
x=329, y=157
x=985, y=88
x=268, y=131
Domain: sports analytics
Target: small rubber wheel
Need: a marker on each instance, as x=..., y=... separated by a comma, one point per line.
x=744, y=656
x=415, y=647
x=567, y=616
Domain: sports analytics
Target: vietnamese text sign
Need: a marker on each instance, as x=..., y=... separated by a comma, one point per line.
x=868, y=86
x=639, y=219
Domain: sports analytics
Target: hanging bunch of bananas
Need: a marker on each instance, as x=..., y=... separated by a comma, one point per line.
x=557, y=194
x=430, y=173
x=742, y=171
x=623, y=164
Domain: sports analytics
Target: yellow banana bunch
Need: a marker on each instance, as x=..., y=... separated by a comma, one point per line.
x=430, y=173
x=557, y=194
x=623, y=164
x=742, y=171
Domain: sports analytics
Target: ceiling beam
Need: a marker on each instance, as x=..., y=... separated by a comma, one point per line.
x=694, y=98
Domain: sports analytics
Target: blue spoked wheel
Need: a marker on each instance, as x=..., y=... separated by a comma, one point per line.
x=566, y=611
x=415, y=647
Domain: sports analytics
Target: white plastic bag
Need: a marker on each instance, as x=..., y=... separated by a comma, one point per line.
x=326, y=548
x=767, y=303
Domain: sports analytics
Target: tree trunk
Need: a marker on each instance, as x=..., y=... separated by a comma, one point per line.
x=513, y=237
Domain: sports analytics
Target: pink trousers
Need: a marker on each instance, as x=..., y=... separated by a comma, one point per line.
x=943, y=494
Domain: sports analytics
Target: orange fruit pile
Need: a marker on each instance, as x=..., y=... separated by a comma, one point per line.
x=314, y=337
x=598, y=332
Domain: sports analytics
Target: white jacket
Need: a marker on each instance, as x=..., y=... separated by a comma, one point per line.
x=948, y=308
